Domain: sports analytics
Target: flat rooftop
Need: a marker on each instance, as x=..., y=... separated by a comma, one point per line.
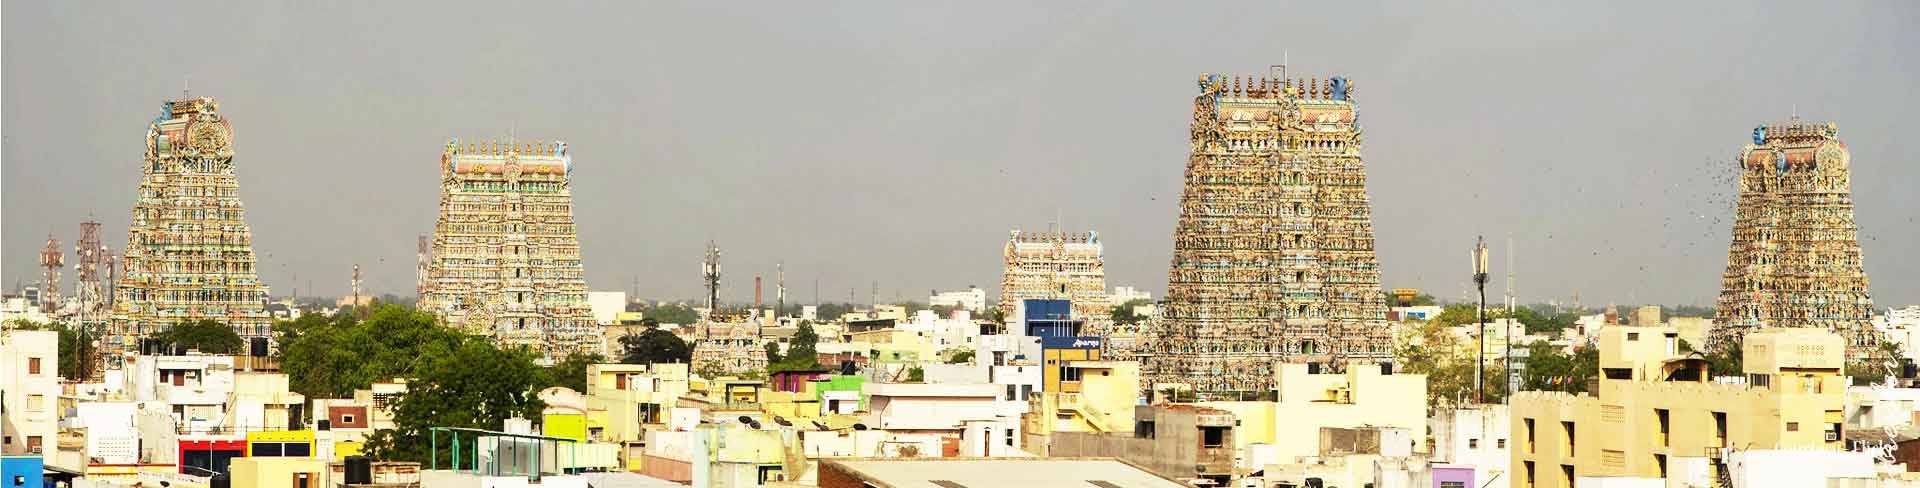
x=1000, y=472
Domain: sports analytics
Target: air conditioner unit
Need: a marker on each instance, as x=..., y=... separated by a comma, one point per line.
x=1832, y=436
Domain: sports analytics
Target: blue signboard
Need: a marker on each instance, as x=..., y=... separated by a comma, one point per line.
x=1070, y=342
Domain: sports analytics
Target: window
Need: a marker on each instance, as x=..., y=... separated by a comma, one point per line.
x=1567, y=428
x=1660, y=416
x=33, y=365
x=1529, y=426
x=1453, y=484
x=36, y=403
x=1213, y=436
x=1720, y=428
x=34, y=442
x=1069, y=374
x=1473, y=443
x=1660, y=460
x=1529, y=474
x=1500, y=444
x=1793, y=426
x=1633, y=336
x=1143, y=429
x=1011, y=392
x=346, y=419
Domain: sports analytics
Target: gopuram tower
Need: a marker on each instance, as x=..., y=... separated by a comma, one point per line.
x=505, y=261
x=1273, y=255
x=189, y=254
x=1795, y=260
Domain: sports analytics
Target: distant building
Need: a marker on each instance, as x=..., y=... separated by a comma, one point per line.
x=1124, y=294
x=1057, y=265
x=505, y=258
x=1795, y=259
x=189, y=253
x=1658, y=416
x=973, y=299
x=1179, y=441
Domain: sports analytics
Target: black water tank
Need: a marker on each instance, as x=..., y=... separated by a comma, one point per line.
x=1313, y=368
x=1386, y=367
x=359, y=470
x=259, y=348
x=324, y=424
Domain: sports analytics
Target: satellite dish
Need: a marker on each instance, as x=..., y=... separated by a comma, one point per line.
x=746, y=420
x=859, y=426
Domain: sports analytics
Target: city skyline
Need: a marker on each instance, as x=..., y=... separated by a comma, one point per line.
x=809, y=145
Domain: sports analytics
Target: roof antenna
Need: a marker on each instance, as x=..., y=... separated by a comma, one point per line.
x=185, y=81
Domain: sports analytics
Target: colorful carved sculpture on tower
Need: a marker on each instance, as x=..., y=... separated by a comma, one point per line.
x=1795, y=260
x=1273, y=251
x=505, y=260
x=189, y=253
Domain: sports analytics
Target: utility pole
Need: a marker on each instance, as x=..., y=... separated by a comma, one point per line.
x=1506, y=363
x=1480, y=320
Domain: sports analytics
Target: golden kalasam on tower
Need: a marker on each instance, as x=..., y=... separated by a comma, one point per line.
x=1795, y=259
x=1273, y=257
x=505, y=260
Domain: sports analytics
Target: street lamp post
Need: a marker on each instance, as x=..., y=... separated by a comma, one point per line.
x=1480, y=319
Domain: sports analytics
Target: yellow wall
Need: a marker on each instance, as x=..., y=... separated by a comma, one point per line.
x=568, y=425
x=275, y=472
x=622, y=407
x=1360, y=397
x=1618, y=433
x=305, y=436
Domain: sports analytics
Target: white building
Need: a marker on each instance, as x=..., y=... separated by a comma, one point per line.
x=197, y=387
x=1473, y=436
x=1880, y=407
x=973, y=298
x=988, y=425
x=31, y=385
x=957, y=331
x=1124, y=294
x=23, y=308
x=607, y=305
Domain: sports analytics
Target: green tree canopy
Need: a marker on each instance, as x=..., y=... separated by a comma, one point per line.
x=205, y=336
x=672, y=313
x=1551, y=369
x=329, y=357
x=473, y=385
x=801, y=353
x=654, y=345
x=1123, y=313
x=572, y=371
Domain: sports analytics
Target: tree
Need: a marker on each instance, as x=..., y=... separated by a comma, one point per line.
x=205, y=336
x=572, y=371
x=801, y=353
x=76, y=350
x=960, y=357
x=654, y=345
x=773, y=354
x=329, y=357
x=673, y=313
x=473, y=386
x=916, y=375
x=1123, y=313
x=1434, y=351
x=1550, y=369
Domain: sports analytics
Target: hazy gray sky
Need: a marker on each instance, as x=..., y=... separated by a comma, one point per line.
x=864, y=142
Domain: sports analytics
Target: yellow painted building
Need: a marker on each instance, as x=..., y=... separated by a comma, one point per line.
x=252, y=472
x=1364, y=395
x=280, y=443
x=634, y=396
x=1656, y=406
x=1094, y=396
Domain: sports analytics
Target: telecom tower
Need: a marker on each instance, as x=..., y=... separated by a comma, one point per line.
x=710, y=272
x=356, y=287
x=51, y=259
x=779, y=291
x=93, y=256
